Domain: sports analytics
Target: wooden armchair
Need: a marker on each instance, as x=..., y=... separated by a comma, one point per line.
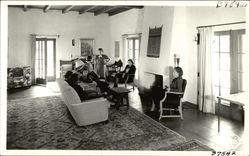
x=172, y=101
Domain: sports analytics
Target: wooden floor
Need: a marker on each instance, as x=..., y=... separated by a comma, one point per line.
x=196, y=125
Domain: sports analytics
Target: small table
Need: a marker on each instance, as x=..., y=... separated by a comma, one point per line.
x=240, y=99
x=119, y=93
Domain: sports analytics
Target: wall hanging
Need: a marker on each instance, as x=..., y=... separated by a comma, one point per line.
x=154, y=42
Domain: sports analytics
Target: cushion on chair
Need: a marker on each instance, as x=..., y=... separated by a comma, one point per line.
x=19, y=77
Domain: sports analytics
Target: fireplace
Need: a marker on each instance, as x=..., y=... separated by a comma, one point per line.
x=153, y=88
x=151, y=80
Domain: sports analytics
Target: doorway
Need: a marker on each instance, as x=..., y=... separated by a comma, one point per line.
x=45, y=56
x=133, y=52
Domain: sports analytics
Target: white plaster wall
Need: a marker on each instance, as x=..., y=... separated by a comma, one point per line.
x=179, y=29
x=199, y=16
x=129, y=22
x=69, y=26
x=156, y=17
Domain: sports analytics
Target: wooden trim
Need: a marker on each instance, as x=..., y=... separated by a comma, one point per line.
x=25, y=8
x=220, y=24
x=67, y=9
x=119, y=11
x=133, y=7
x=106, y=9
x=46, y=8
x=86, y=10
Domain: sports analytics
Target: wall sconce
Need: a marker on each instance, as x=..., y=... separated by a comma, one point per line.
x=73, y=42
x=176, y=60
x=197, y=38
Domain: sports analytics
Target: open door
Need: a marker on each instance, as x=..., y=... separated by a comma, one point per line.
x=44, y=60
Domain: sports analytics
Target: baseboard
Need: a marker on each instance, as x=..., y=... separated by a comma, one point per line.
x=189, y=105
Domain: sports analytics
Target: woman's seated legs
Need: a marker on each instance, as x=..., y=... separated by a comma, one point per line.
x=119, y=78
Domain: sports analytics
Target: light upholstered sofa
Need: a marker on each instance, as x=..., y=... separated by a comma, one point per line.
x=86, y=112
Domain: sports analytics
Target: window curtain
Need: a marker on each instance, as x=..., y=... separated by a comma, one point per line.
x=124, y=48
x=33, y=52
x=205, y=81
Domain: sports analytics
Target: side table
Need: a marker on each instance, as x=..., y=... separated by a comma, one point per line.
x=119, y=94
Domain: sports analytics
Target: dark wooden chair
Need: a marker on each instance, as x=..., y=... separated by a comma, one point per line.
x=113, y=69
x=172, y=101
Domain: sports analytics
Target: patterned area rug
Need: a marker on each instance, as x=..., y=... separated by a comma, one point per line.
x=45, y=123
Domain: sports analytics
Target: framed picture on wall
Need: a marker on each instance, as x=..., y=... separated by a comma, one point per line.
x=86, y=46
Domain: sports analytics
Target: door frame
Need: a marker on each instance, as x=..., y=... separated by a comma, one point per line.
x=40, y=80
x=133, y=37
x=51, y=78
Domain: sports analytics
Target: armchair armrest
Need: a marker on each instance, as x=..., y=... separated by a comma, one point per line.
x=178, y=93
x=174, y=93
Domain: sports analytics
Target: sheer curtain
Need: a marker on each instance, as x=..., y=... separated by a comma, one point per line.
x=205, y=86
x=33, y=52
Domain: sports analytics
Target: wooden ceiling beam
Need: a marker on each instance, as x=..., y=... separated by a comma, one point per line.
x=133, y=7
x=67, y=9
x=86, y=9
x=118, y=11
x=25, y=7
x=46, y=8
x=105, y=9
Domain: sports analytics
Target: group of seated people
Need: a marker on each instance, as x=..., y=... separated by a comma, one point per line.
x=86, y=74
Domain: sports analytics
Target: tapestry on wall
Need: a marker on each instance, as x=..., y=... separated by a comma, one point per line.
x=154, y=42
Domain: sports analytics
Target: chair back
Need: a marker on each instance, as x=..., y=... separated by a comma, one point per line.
x=119, y=63
x=184, y=84
x=173, y=100
x=69, y=95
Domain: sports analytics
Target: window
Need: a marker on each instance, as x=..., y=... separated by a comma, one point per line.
x=242, y=64
x=229, y=62
x=221, y=62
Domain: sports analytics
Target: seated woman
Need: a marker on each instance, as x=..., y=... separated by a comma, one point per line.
x=176, y=86
x=124, y=75
x=84, y=67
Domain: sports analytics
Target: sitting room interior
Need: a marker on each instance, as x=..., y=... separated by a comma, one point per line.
x=208, y=43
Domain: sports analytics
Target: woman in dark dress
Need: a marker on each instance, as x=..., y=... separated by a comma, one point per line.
x=100, y=62
x=127, y=73
x=176, y=86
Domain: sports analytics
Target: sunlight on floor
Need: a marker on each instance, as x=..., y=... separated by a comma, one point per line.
x=53, y=86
